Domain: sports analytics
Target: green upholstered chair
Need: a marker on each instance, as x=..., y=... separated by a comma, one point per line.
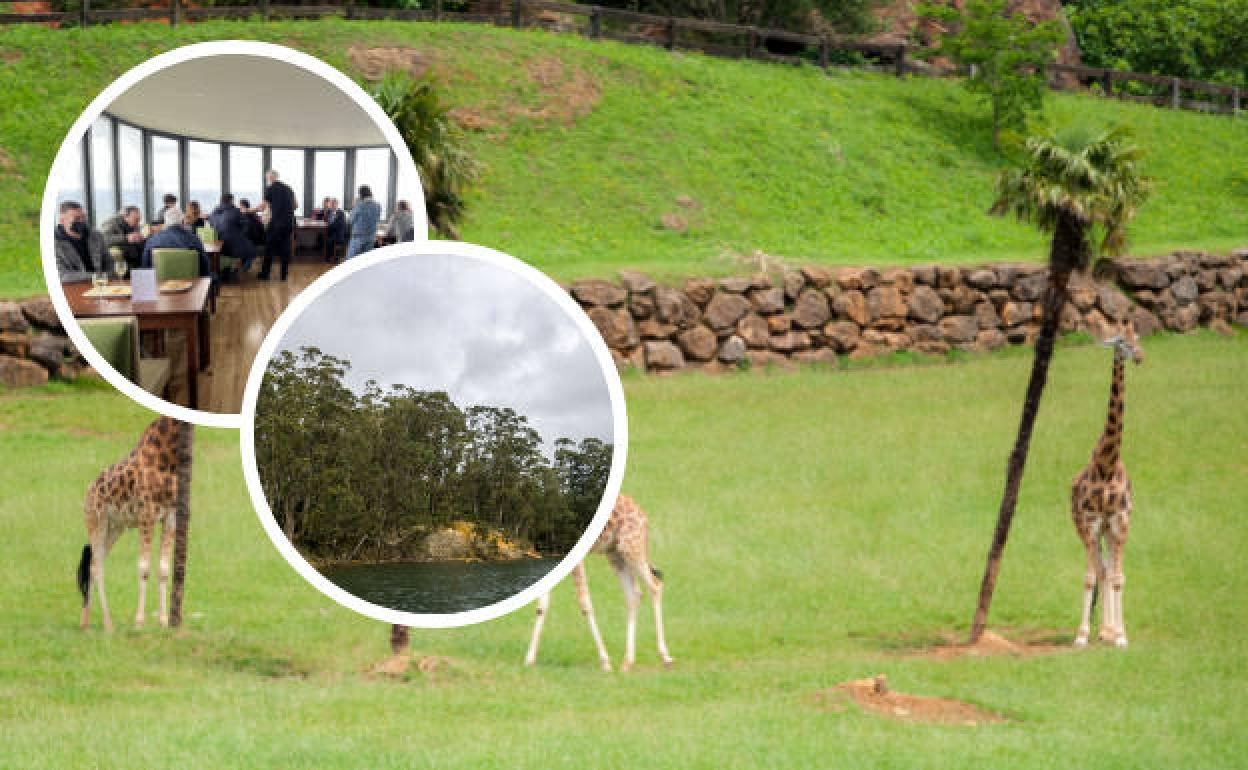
x=207, y=234
x=117, y=340
x=175, y=263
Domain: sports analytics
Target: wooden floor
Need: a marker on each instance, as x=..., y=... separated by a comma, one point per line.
x=246, y=310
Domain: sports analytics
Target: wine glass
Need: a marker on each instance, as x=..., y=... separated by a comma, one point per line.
x=119, y=268
x=99, y=279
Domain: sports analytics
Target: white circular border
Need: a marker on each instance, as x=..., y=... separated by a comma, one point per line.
x=107, y=97
x=414, y=251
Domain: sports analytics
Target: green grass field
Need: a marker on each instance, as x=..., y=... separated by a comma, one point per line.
x=586, y=146
x=811, y=527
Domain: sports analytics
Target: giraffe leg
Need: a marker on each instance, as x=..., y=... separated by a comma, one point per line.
x=99, y=552
x=543, y=607
x=167, y=530
x=655, y=587
x=632, y=597
x=1091, y=575
x=587, y=609
x=145, y=569
x=1116, y=581
x=1108, y=613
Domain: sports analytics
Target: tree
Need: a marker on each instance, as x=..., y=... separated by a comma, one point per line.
x=437, y=148
x=1071, y=184
x=1005, y=55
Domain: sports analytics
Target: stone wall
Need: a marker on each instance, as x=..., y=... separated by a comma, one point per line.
x=33, y=346
x=817, y=314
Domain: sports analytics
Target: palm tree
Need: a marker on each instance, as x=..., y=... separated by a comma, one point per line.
x=1072, y=183
x=446, y=169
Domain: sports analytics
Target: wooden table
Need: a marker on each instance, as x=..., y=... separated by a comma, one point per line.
x=177, y=310
x=317, y=226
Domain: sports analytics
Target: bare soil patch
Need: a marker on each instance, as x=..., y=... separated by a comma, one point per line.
x=7, y=164
x=396, y=666
x=948, y=645
x=874, y=695
x=564, y=93
x=373, y=63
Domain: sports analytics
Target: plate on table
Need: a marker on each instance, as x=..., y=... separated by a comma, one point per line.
x=108, y=292
x=173, y=286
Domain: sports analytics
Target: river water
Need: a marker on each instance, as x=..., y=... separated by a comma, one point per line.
x=438, y=587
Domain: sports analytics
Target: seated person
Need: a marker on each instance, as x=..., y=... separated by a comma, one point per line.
x=319, y=214
x=80, y=251
x=175, y=235
x=171, y=202
x=194, y=216
x=251, y=223
x=227, y=220
x=122, y=231
x=336, y=221
x=401, y=227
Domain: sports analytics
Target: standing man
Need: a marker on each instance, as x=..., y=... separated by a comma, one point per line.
x=279, y=199
x=122, y=231
x=364, y=219
x=80, y=250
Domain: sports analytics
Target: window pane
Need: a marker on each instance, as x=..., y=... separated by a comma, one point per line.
x=331, y=169
x=408, y=189
x=70, y=184
x=289, y=167
x=372, y=167
x=131, y=162
x=166, y=175
x=103, y=186
x=203, y=174
x=247, y=174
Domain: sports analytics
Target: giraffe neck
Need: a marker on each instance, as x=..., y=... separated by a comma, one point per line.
x=1108, y=449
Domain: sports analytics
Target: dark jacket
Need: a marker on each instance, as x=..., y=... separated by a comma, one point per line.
x=69, y=262
x=115, y=231
x=231, y=229
x=252, y=226
x=176, y=237
x=336, y=219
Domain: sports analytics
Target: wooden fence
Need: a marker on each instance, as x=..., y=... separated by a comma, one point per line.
x=672, y=33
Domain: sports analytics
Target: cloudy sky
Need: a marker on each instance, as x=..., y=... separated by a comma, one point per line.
x=475, y=330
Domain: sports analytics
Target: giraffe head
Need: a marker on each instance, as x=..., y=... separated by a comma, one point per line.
x=1125, y=343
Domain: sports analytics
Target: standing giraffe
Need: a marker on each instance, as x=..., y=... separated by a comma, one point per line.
x=625, y=542
x=1101, y=506
x=139, y=491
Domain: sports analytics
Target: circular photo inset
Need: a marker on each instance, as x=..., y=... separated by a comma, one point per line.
x=196, y=196
x=434, y=434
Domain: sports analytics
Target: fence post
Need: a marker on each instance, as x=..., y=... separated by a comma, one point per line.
x=86, y=12
x=901, y=60
x=437, y=10
x=175, y=12
x=595, y=24
x=751, y=42
x=670, y=43
x=1176, y=98
x=1235, y=102
x=517, y=13
x=264, y=9
x=350, y=14
x=823, y=52
x=1107, y=82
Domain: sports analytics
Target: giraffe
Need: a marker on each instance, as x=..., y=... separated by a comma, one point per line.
x=625, y=542
x=139, y=491
x=1101, y=506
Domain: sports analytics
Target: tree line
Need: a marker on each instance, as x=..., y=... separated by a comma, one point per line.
x=356, y=476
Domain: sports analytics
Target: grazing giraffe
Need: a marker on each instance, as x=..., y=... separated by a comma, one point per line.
x=1101, y=506
x=625, y=542
x=139, y=491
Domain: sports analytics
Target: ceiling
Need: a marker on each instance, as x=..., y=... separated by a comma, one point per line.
x=247, y=100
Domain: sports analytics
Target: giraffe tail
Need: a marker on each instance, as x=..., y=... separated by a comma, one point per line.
x=84, y=573
x=658, y=573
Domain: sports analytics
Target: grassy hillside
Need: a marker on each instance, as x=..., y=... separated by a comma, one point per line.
x=586, y=146
x=815, y=537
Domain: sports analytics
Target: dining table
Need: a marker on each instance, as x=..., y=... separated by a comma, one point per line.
x=317, y=227
x=184, y=310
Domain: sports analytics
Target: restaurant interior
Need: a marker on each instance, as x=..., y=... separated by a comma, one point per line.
x=196, y=130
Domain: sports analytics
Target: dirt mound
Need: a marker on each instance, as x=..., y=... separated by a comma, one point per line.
x=564, y=93
x=373, y=63
x=875, y=696
x=398, y=665
x=993, y=644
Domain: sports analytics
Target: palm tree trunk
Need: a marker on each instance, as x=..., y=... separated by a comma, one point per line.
x=1068, y=251
x=182, y=517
